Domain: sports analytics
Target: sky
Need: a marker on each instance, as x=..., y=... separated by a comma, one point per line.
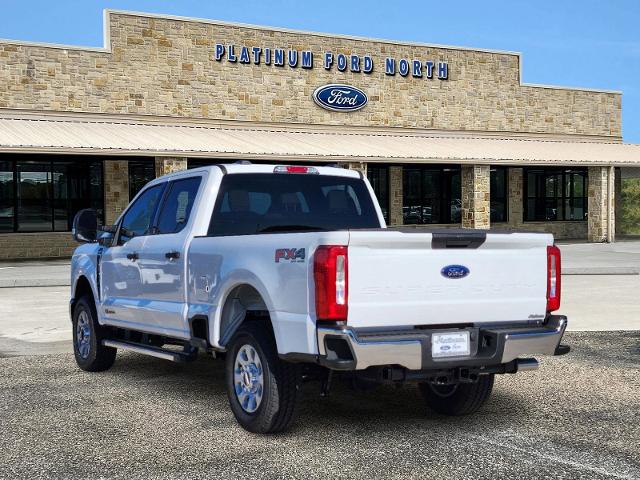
x=584, y=43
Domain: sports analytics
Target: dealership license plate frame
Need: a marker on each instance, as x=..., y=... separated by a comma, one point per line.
x=451, y=344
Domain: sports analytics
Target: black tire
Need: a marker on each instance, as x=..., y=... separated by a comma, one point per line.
x=458, y=399
x=280, y=381
x=91, y=355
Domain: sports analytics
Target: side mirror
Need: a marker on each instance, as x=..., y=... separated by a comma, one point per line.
x=106, y=235
x=85, y=226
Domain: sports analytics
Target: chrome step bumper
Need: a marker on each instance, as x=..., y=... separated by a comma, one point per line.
x=344, y=348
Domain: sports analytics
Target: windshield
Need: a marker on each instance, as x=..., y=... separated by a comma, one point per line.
x=266, y=202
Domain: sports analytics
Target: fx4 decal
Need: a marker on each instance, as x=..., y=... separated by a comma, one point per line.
x=291, y=254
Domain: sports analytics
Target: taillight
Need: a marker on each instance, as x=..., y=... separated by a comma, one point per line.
x=295, y=169
x=553, y=278
x=330, y=272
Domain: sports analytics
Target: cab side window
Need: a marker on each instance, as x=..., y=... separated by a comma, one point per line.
x=177, y=206
x=137, y=220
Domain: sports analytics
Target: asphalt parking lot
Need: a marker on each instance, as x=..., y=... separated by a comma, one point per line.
x=576, y=417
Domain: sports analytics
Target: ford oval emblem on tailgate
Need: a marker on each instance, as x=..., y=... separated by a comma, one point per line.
x=454, y=271
x=340, y=98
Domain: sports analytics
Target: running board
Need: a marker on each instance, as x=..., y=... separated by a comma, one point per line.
x=156, y=352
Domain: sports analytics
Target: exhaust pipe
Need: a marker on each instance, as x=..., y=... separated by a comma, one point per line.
x=526, y=364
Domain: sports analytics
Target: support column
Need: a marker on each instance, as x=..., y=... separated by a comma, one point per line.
x=165, y=165
x=357, y=166
x=395, y=196
x=515, y=184
x=116, y=189
x=601, y=218
x=618, y=201
x=475, y=196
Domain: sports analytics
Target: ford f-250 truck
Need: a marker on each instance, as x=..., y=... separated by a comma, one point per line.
x=289, y=273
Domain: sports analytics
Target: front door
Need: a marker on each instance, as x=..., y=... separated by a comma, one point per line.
x=120, y=275
x=162, y=261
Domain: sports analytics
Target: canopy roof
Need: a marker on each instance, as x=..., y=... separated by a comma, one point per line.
x=84, y=134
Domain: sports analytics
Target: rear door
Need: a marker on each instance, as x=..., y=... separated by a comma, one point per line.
x=120, y=276
x=162, y=260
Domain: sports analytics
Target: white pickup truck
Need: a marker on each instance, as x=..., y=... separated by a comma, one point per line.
x=289, y=273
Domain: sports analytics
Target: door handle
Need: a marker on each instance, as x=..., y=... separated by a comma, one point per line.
x=133, y=256
x=172, y=255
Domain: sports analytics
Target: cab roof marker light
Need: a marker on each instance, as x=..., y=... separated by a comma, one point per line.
x=295, y=169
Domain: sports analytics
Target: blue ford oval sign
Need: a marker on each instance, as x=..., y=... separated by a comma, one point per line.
x=340, y=98
x=454, y=271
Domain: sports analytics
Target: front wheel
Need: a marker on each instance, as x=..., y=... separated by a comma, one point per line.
x=459, y=398
x=90, y=354
x=263, y=390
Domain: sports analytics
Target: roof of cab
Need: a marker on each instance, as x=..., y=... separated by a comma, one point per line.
x=233, y=168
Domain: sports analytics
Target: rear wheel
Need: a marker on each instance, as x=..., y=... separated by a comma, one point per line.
x=263, y=390
x=460, y=398
x=90, y=354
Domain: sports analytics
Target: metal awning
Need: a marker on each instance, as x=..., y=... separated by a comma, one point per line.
x=176, y=137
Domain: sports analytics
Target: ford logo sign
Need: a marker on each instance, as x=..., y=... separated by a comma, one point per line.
x=340, y=98
x=454, y=271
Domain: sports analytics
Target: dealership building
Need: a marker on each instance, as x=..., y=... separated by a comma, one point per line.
x=447, y=136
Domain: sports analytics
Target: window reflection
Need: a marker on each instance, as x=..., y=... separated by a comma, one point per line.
x=431, y=195
x=555, y=194
x=6, y=197
x=379, y=178
x=43, y=194
x=498, y=194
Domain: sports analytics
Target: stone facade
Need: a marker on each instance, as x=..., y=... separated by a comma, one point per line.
x=600, y=215
x=475, y=196
x=166, y=165
x=395, y=196
x=163, y=66
x=17, y=246
x=116, y=189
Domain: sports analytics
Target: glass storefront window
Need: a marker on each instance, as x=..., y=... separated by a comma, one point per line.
x=431, y=195
x=555, y=194
x=34, y=197
x=7, y=199
x=141, y=172
x=43, y=194
x=498, y=196
x=379, y=178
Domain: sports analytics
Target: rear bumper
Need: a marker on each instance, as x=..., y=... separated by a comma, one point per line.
x=344, y=348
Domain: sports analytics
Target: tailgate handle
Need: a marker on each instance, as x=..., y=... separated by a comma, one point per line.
x=457, y=239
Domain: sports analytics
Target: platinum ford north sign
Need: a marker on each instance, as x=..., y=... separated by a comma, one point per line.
x=340, y=98
x=305, y=59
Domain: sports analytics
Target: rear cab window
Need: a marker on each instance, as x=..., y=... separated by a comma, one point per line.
x=250, y=203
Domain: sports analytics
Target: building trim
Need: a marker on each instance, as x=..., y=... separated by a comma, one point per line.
x=106, y=48
x=197, y=122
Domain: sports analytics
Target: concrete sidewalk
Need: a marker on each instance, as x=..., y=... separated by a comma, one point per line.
x=620, y=258
x=37, y=273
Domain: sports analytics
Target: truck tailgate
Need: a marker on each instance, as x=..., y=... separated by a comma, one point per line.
x=400, y=278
